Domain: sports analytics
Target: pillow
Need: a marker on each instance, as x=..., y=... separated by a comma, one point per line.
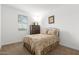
x=53, y=31
x=44, y=31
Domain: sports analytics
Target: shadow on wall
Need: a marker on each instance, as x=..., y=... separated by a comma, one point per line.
x=68, y=39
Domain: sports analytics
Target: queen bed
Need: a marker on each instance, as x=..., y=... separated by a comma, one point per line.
x=42, y=43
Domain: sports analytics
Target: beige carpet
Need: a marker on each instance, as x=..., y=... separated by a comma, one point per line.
x=18, y=49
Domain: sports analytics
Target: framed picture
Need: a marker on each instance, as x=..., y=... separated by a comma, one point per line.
x=51, y=19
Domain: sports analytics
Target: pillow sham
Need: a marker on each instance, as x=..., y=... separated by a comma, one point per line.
x=53, y=31
x=45, y=31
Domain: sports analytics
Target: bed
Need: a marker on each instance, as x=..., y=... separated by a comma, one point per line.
x=40, y=44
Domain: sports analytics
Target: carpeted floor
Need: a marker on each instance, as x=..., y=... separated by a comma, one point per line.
x=18, y=49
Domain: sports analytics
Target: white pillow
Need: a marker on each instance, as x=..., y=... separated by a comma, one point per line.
x=44, y=31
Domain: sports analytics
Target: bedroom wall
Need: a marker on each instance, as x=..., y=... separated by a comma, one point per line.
x=67, y=20
x=10, y=32
x=0, y=25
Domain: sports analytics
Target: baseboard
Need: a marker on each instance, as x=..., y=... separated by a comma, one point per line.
x=7, y=43
x=69, y=46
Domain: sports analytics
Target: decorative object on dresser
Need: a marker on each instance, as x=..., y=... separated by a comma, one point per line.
x=34, y=29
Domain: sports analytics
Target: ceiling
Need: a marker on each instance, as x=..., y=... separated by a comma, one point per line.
x=36, y=8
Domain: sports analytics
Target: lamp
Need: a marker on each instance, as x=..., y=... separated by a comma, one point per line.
x=35, y=23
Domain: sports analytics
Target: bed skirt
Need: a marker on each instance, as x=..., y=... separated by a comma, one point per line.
x=44, y=51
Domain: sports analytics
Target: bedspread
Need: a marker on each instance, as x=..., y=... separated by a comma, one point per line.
x=40, y=41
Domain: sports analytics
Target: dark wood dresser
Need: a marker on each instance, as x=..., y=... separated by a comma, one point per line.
x=34, y=29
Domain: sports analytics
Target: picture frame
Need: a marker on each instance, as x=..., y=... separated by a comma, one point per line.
x=51, y=20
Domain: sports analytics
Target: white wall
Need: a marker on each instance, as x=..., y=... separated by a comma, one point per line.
x=10, y=32
x=0, y=25
x=67, y=19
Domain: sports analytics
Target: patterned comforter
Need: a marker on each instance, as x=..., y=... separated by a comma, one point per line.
x=40, y=41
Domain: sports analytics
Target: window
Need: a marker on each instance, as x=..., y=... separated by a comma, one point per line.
x=22, y=20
